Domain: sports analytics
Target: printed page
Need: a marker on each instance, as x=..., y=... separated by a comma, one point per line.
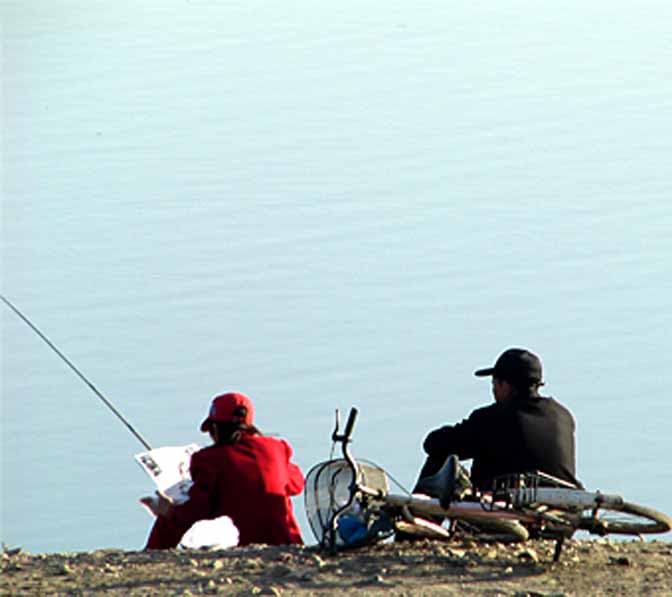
x=168, y=467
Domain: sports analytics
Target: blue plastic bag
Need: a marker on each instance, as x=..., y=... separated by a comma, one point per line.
x=351, y=529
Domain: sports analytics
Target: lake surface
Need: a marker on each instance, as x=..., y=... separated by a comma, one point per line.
x=326, y=206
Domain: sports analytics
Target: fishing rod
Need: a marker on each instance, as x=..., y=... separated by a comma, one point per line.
x=77, y=371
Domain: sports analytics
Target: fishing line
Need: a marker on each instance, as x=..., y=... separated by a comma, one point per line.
x=77, y=371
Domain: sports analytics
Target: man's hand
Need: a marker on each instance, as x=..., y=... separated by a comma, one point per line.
x=159, y=503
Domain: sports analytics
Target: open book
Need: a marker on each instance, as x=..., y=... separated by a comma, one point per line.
x=168, y=467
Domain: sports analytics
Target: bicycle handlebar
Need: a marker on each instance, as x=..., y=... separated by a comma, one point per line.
x=352, y=417
x=344, y=437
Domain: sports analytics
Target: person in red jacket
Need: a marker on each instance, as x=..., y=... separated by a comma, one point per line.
x=244, y=475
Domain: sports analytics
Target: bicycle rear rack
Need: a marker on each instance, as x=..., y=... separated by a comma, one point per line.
x=521, y=489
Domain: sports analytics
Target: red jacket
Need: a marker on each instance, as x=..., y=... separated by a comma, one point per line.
x=250, y=481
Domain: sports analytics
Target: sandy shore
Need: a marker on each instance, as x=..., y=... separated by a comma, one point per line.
x=424, y=568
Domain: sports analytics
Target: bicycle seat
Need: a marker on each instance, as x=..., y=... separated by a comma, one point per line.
x=449, y=483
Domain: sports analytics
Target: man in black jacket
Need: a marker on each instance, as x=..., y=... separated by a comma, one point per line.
x=521, y=432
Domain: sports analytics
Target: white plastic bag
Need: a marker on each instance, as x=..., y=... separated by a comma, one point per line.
x=218, y=533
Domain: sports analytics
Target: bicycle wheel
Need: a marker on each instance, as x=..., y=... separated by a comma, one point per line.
x=492, y=529
x=471, y=516
x=502, y=531
x=625, y=519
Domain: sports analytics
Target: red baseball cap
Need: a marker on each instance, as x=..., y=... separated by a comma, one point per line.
x=224, y=406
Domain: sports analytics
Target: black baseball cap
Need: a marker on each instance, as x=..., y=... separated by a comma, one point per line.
x=515, y=365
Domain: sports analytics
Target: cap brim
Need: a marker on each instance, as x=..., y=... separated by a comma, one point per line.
x=484, y=372
x=205, y=425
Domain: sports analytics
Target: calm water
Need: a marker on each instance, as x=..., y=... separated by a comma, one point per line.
x=326, y=206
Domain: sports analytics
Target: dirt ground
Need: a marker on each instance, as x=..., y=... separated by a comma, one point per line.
x=431, y=568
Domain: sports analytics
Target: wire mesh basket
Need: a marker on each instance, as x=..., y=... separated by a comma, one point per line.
x=328, y=492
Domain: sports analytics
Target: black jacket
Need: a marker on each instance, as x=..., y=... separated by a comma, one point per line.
x=517, y=436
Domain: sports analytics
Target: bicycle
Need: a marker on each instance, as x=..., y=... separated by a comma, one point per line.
x=349, y=504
